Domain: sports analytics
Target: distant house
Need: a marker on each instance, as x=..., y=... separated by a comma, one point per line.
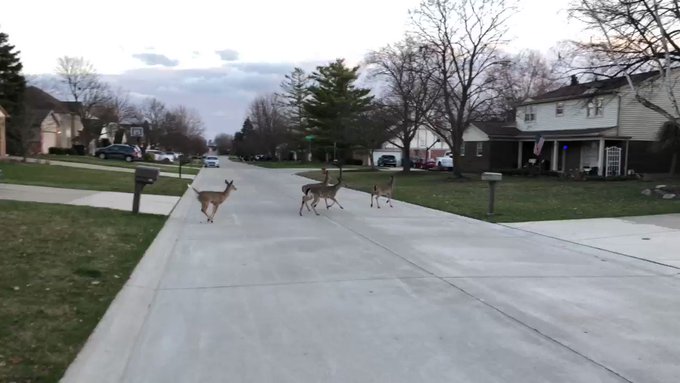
x=53, y=123
x=3, y=132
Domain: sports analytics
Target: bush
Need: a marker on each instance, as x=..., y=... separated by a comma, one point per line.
x=149, y=157
x=354, y=161
x=79, y=150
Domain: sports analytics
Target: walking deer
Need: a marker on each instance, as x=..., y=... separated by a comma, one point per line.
x=216, y=198
x=383, y=191
x=321, y=190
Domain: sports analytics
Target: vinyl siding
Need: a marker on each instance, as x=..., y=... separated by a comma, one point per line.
x=639, y=122
x=574, y=116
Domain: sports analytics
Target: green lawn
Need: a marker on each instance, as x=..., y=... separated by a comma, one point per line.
x=76, y=178
x=186, y=169
x=60, y=267
x=517, y=198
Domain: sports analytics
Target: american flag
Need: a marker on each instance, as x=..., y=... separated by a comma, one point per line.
x=538, y=145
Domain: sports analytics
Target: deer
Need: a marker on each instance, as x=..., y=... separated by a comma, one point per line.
x=385, y=190
x=216, y=198
x=321, y=190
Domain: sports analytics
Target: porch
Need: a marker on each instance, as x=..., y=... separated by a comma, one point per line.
x=593, y=153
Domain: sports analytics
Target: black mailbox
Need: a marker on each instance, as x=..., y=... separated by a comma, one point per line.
x=146, y=176
x=143, y=176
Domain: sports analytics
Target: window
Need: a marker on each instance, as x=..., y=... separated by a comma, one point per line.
x=462, y=149
x=559, y=109
x=595, y=108
x=480, y=149
x=529, y=114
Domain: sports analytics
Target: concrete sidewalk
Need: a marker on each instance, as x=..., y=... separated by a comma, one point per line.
x=407, y=294
x=107, y=168
x=149, y=203
x=655, y=238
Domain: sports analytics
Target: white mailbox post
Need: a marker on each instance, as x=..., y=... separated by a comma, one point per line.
x=492, y=178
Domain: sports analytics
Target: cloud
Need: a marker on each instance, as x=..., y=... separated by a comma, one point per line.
x=155, y=59
x=228, y=54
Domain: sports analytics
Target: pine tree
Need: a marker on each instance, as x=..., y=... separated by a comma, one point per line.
x=12, y=86
x=335, y=103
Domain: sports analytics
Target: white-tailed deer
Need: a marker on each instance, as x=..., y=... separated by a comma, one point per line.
x=216, y=198
x=321, y=190
x=383, y=191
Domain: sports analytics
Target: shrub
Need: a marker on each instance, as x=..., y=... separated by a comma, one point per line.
x=60, y=151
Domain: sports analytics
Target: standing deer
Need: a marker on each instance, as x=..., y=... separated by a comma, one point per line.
x=215, y=198
x=321, y=190
x=383, y=191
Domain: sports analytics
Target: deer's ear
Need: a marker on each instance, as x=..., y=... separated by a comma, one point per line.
x=226, y=182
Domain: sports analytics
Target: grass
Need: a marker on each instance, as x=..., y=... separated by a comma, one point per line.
x=57, y=277
x=88, y=179
x=518, y=199
x=168, y=168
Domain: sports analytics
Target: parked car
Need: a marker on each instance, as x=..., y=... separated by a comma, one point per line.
x=128, y=153
x=387, y=160
x=445, y=162
x=211, y=161
x=161, y=156
x=416, y=162
x=429, y=164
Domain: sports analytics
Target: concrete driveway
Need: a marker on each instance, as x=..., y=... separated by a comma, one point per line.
x=406, y=294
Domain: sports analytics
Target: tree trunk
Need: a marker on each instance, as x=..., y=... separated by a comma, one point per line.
x=406, y=156
x=674, y=162
x=371, y=162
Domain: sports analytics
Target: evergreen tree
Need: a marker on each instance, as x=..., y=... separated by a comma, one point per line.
x=335, y=103
x=12, y=86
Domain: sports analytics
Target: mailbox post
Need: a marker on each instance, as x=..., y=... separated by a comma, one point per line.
x=492, y=178
x=143, y=176
x=183, y=160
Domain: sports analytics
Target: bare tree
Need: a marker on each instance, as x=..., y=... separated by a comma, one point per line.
x=463, y=37
x=85, y=87
x=153, y=112
x=224, y=143
x=521, y=76
x=268, y=122
x=635, y=36
x=409, y=89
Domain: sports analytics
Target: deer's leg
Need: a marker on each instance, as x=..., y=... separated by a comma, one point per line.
x=336, y=201
x=389, y=199
x=377, y=199
x=327, y=205
x=212, y=216
x=305, y=198
x=316, y=200
x=204, y=209
x=372, y=195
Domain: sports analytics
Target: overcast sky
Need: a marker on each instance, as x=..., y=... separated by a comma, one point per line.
x=216, y=58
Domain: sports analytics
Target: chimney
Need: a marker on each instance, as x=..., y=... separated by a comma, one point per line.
x=574, y=80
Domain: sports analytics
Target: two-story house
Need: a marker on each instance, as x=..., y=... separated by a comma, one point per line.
x=597, y=126
x=52, y=123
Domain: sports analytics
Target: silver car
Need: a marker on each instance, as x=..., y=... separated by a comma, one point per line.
x=211, y=161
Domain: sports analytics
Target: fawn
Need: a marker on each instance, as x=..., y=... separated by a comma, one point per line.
x=215, y=198
x=383, y=190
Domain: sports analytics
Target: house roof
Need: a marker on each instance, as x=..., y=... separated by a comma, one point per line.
x=496, y=128
x=570, y=133
x=589, y=89
x=42, y=101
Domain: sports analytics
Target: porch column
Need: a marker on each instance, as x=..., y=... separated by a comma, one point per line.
x=519, y=155
x=553, y=162
x=600, y=158
x=625, y=166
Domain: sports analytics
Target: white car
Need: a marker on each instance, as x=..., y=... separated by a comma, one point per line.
x=445, y=162
x=211, y=161
x=161, y=156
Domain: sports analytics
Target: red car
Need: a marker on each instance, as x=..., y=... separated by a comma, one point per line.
x=429, y=164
